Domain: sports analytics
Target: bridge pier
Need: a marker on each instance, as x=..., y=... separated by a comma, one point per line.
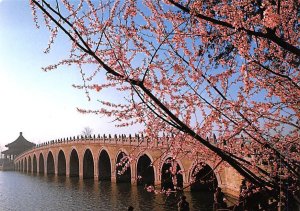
x=113, y=178
x=133, y=181
x=56, y=170
x=133, y=178
x=67, y=166
x=96, y=170
x=186, y=185
x=80, y=167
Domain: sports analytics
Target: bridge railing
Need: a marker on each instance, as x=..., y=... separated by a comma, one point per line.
x=121, y=139
x=136, y=140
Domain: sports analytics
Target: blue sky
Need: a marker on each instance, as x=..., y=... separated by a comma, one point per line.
x=41, y=105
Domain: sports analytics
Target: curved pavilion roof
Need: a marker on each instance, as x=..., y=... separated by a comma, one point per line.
x=18, y=146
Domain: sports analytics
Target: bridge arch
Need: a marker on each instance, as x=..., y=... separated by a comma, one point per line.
x=104, y=165
x=172, y=173
x=25, y=165
x=61, y=163
x=88, y=164
x=34, y=164
x=41, y=164
x=74, y=163
x=29, y=164
x=123, y=169
x=202, y=176
x=50, y=164
x=145, y=170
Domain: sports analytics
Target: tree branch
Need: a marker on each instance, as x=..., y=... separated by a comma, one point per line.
x=268, y=35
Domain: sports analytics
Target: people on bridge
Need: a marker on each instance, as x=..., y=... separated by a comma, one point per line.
x=219, y=198
x=183, y=205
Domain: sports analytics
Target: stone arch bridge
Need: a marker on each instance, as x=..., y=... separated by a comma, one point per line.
x=106, y=158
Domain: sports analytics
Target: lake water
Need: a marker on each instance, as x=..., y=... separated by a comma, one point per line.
x=24, y=192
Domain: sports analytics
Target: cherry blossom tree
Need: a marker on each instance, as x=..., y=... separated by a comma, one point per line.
x=221, y=77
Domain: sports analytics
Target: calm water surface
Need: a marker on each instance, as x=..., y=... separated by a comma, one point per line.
x=24, y=192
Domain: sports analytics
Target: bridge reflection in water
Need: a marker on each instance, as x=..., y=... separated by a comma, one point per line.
x=33, y=192
x=105, y=158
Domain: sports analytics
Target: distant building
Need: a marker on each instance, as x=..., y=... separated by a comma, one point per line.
x=14, y=149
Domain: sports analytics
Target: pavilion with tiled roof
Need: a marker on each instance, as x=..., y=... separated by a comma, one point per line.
x=17, y=147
